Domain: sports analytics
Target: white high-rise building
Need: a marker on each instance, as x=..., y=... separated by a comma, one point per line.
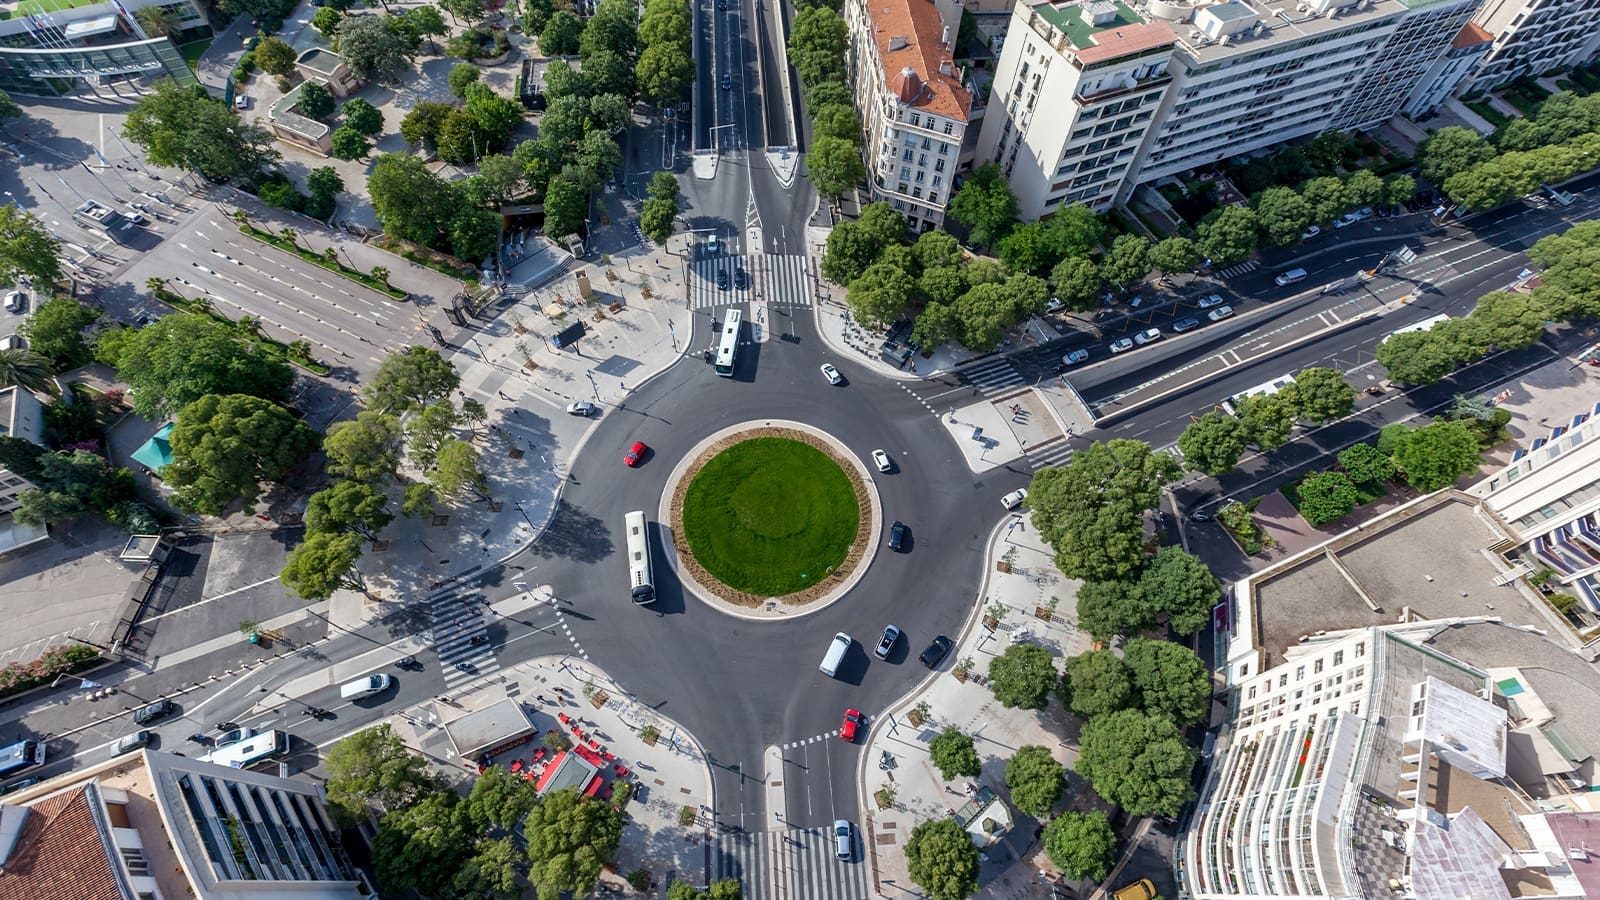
x=1532, y=37
x=914, y=107
x=1133, y=95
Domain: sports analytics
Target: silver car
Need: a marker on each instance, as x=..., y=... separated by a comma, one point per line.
x=843, y=841
x=1149, y=335
x=886, y=643
x=1209, y=301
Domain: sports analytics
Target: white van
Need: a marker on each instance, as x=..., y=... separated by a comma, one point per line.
x=836, y=652
x=1291, y=276
x=366, y=687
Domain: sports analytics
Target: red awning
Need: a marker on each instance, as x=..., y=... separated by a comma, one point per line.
x=549, y=772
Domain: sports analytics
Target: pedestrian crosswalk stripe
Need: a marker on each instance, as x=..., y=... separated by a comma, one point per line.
x=778, y=280
x=802, y=859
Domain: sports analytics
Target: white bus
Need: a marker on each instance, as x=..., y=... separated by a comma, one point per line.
x=1231, y=405
x=640, y=581
x=268, y=745
x=728, y=345
x=1425, y=325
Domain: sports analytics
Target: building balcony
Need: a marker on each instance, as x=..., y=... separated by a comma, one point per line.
x=1105, y=94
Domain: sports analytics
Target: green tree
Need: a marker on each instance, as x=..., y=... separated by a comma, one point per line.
x=373, y=770
x=423, y=846
x=366, y=449
x=1035, y=779
x=456, y=471
x=834, y=166
x=471, y=10
x=818, y=41
x=655, y=219
x=1320, y=395
x=1227, y=235
x=157, y=21
x=425, y=21
x=1282, y=215
x=1091, y=511
x=1076, y=281
x=473, y=232
x=1081, y=844
x=462, y=75
x=942, y=859
x=315, y=100
x=881, y=294
x=499, y=799
x=362, y=116
x=608, y=72
x=373, y=49
x=664, y=186
x=186, y=128
x=326, y=22
x=493, y=871
x=663, y=72
x=850, y=250
x=1436, y=455
x=1107, y=609
x=1505, y=320
x=1450, y=151
x=561, y=34
x=21, y=456
x=422, y=125
x=69, y=484
x=1137, y=761
x=1096, y=683
x=1326, y=496
x=349, y=506
x=322, y=564
x=1127, y=261
x=26, y=248
x=8, y=108
x=57, y=330
x=1174, y=255
x=180, y=358
x=427, y=431
x=1023, y=676
x=1171, y=680
x=985, y=205
x=324, y=184
x=497, y=116
x=1180, y=587
x=570, y=838
x=1325, y=197
x=498, y=181
x=410, y=380
x=274, y=55
x=225, y=446
x=1361, y=188
x=954, y=755
x=1417, y=357
x=1268, y=419
x=1365, y=464
x=1570, y=272
x=350, y=144
x=1213, y=443
x=1398, y=189
x=566, y=207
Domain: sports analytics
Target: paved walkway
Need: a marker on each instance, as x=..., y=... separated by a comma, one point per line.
x=508, y=365
x=669, y=776
x=1031, y=586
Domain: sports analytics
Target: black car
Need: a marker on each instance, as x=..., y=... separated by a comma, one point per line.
x=741, y=279
x=935, y=653
x=1183, y=325
x=147, y=714
x=722, y=279
x=897, y=536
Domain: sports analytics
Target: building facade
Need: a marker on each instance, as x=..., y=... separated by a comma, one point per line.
x=47, y=52
x=1101, y=73
x=158, y=826
x=1532, y=37
x=1440, y=81
x=914, y=108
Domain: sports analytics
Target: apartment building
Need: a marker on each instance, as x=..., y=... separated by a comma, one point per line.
x=914, y=107
x=1442, y=78
x=1075, y=96
x=21, y=416
x=1532, y=37
x=1136, y=94
x=158, y=826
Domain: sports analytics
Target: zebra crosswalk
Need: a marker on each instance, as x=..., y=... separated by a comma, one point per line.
x=461, y=638
x=1238, y=269
x=800, y=860
x=991, y=377
x=1057, y=453
x=777, y=280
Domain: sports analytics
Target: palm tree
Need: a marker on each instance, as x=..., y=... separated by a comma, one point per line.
x=24, y=369
x=380, y=273
x=291, y=234
x=156, y=285
x=159, y=21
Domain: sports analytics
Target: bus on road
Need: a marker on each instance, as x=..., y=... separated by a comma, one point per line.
x=266, y=746
x=1425, y=325
x=728, y=346
x=19, y=757
x=640, y=581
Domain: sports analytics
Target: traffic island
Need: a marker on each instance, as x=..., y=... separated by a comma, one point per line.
x=770, y=518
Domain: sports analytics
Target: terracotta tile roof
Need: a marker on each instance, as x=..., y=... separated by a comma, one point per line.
x=59, y=855
x=1127, y=41
x=1471, y=36
x=907, y=33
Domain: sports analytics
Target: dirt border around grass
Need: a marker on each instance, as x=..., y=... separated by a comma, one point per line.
x=702, y=584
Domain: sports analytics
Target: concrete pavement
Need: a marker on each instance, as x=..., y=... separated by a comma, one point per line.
x=1031, y=586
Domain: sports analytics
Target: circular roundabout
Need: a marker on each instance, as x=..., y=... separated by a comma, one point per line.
x=770, y=519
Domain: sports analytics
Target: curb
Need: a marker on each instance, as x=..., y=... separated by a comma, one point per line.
x=909, y=699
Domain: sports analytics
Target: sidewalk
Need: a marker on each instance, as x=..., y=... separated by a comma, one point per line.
x=1032, y=584
x=528, y=436
x=668, y=777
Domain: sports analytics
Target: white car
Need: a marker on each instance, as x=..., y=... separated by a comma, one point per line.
x=241, y=102
x=832, y=374
x=1121, y=344
x=14, y=301
x=582, y=408
x=1014, y=499
x=1075, y=357
x=1220, y=313
x=882, y=461
x=1147, y=336
x=1209, y=301
x=1310, y=233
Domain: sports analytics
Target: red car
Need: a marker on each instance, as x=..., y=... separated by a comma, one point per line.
x=852, y=722
x=635, y=453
